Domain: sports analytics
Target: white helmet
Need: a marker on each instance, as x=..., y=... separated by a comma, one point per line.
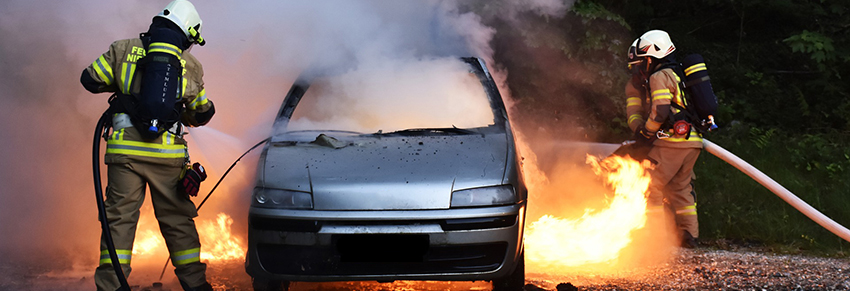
x=183, y=13
x=655, y=43
x=633, y=52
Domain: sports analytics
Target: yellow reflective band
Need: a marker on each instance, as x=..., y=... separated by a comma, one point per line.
x=162, y=47
x=144, y=149
x=185, y=257
x=632, y=101
x=634, y=117
x=694, y=137
x=201, y=99
x=183, y=89
x=120, y=252
x=686, y=212
x=103, y=70
x=687, y=207
x=127, y=72
x=124, y=256
x=695, y=68
x=661, y=95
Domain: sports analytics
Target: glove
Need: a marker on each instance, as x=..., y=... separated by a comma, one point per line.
x=643, y=137
x=192, y=178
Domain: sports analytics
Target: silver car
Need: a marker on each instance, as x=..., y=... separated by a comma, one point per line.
x=335, y=202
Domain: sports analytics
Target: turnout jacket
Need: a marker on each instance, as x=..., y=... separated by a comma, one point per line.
x=115, y=71
x=663, y=90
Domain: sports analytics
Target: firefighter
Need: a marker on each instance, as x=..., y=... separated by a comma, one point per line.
x=161, y=163
x=654, y=87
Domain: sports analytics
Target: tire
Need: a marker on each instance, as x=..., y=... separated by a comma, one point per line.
x=513, y=281
x=273, y=285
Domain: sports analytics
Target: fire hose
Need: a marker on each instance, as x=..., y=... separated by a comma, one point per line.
x=777, y=189
x=101, y=208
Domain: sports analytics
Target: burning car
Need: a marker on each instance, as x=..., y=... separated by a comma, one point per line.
x=423, y=183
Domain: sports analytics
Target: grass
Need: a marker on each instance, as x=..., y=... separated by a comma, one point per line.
x=732, y=206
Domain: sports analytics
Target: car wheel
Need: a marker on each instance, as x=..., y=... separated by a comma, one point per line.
x=513, y=281
x=273, y=285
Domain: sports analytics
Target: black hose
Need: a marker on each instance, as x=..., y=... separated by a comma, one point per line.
x=213, y=190
x=101, y=208
x=228, y=170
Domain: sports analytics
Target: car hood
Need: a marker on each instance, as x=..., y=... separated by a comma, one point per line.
x=385, y=173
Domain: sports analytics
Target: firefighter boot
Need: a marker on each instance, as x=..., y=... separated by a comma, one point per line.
x=205, y=287
x=688, y=241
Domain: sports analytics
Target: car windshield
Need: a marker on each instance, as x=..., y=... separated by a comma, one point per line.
x=441, y=93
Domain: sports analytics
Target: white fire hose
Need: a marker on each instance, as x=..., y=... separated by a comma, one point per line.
x=777, y=189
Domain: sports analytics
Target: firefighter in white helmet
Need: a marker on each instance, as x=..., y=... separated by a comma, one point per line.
x=145, y=147
x=653, y=90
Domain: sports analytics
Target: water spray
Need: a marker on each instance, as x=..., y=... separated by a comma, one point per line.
x=777, y=189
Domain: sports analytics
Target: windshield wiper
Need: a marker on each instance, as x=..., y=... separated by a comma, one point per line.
x=428, y=131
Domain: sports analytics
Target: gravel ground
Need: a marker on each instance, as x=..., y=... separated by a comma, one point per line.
x=699, y=269
x=712, y=269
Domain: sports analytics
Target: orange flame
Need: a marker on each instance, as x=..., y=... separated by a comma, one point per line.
x=217, y=241
x=599, y=235
x=148, y=241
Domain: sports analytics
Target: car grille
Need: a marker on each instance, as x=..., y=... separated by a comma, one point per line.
x=381, y=254
x=290, y=225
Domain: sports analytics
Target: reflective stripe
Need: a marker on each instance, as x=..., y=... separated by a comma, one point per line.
x=694, y=137
x=144, y=149
x=634, y=117
x=695, y=68
x=162, y=47
x=124, y=256
x=632, y=101
x=127, y=72
x=201, y=99
x=183, y=89
x=103, y=70
x=661, y=94
x=687, y=210
x=185, y=257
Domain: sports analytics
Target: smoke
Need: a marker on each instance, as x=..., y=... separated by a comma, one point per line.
x=255, y=50
x=396, y=95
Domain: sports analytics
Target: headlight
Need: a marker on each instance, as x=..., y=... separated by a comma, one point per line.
x=285, y=199
x=488, y=196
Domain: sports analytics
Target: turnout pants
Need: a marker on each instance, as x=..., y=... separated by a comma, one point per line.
x=174, y=212
x=671, y=183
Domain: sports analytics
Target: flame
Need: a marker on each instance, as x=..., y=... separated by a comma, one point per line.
x=599, y=235
x=217, y=241
x=148, y=241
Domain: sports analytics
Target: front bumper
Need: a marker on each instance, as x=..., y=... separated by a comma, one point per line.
x=452, y=244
